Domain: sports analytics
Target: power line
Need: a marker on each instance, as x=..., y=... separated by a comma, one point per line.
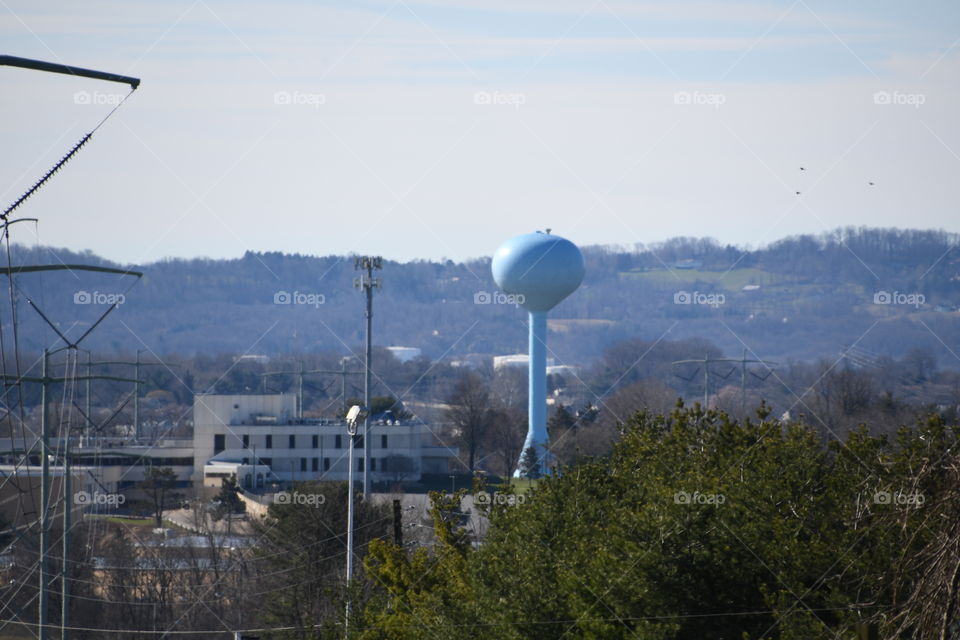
x=743, y=361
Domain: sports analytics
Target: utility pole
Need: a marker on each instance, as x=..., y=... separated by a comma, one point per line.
x=44, y=498
x=86, y=399
x=397, y=524
x=65, y=569
x=136, y=401
x=367, y=283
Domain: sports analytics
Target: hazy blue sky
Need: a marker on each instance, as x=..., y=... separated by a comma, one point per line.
x=438, y=128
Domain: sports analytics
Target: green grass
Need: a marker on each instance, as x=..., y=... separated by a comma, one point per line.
x=130, y=522
x=522, y=485
x=733, y=280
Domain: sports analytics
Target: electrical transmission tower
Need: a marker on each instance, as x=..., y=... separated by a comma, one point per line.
x=300, y=372
x=71, y=347
x=136, y=393
x=45, y=380
x=742, y=361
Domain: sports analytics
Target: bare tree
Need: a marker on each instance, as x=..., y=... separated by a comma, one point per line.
x=158, y=484
x=469, y=411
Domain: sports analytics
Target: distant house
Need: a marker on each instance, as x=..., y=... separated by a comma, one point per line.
x=688, y=263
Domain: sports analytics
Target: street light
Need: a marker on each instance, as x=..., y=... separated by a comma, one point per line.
x=352, y=415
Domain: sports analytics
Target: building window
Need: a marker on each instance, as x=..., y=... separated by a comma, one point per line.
x=373, y=464
x=269, y=442
x=267, y=461
x=246, y=441
x=383, y=441
x=292, y=442
x=246, y=461
x=358, y=442
x=303, y=464
x=315, y=443
x=218, y=443
x=337, y=442
x=315, y=465
x=359, y=464
x=326, y=464
x=383, y=464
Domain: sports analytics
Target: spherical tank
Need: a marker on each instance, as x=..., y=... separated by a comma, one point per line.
x=541, y=267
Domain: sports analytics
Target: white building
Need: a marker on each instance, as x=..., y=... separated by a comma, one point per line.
x=405, y=354
x=258, y=438
x=515, y=360
x=110, y=464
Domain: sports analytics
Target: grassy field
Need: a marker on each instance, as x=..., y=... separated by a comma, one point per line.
x=522, y=485
x=130, y=522
x=733, y=280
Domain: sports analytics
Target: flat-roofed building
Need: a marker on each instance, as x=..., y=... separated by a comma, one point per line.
x=259, y=438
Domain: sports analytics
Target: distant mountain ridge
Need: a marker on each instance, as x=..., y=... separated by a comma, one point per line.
x=802, y=297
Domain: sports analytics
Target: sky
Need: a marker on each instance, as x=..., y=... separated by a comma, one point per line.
x=428, y=129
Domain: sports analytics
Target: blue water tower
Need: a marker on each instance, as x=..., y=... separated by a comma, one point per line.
x=541, y=269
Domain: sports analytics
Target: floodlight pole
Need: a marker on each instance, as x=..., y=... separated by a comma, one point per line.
x=352, y=416
x=368, y=283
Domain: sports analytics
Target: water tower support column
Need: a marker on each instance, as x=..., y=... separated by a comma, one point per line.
x=537, y=401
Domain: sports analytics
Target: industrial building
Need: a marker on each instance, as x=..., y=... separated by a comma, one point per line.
x=259, y=439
